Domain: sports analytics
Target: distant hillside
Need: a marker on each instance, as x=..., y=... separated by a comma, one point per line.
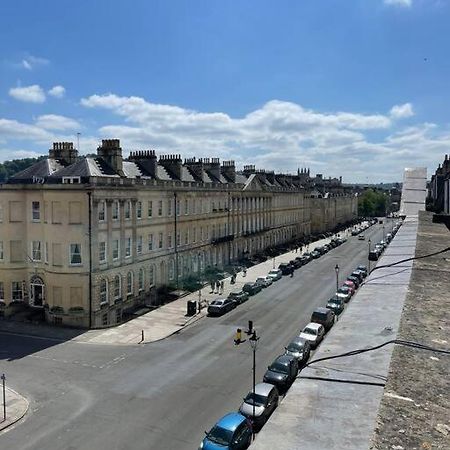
x=10, y=168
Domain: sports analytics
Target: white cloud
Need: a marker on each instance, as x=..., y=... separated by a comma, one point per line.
x=56, y=122
x=404, y=3
x=30, y=62
x=57, y=91
x=31, y=94
x=402, y=111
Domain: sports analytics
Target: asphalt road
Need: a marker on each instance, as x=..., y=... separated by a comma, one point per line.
x=161, y=395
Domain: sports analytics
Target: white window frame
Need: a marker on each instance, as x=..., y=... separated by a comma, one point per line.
x=46, y=252
x=139, y=245
x=130, y=281
x=138, y=210
x=72, y=253
x=102, y=211
x=102, y=252
x=17, y=287
x=36, y=251
x=103, y=296
x=115, y=210
x=118, y=249
x=128, y=246
x=36, y=212
x=117, y=289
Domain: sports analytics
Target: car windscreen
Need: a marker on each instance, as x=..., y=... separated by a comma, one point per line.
x=310, y=331
x=320, y=316
x=278, y=367
x=220, y=435
x=216, y=303
x=295, y=347
x=258, y=400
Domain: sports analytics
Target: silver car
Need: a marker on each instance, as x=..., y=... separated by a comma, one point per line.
x=264, y=281
x=265, y=401
x=275, y=274
x=314, y=333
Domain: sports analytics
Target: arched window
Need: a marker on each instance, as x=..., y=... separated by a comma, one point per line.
x=130, y=283
x=103, y=291
x=117, y=287
x=141, y=279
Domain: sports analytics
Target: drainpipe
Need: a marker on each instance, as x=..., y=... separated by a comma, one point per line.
x=175, y=213
x=90, y=256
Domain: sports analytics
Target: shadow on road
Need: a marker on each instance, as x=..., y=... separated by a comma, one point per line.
x=18, y=340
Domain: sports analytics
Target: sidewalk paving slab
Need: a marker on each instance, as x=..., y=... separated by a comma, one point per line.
x=16, y=408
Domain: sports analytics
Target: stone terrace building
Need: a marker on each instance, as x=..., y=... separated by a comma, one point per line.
x=87, y=238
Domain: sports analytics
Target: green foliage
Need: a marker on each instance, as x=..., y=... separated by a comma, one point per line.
x=372, y=203
x=10, y=168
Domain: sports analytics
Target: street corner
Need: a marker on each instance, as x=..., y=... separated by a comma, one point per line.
x=14, y=407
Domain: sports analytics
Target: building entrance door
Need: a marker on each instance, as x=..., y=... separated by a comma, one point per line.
x=37, y=292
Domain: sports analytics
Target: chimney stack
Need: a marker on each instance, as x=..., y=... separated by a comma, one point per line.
x=173, y=165
x=212, y=166
x=111, y=152
x=64, y=152
x=196, y=168
x=228, y=170
x=145, y=159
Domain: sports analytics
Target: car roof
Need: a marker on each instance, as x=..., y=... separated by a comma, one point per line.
x=263, y=389
x=313, y=325
x=283, y=359
x=321, y=310
x=298, y=340
x=231, y=421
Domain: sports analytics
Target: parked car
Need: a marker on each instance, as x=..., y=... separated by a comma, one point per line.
x=264, y=281
x=275, y=274
x=233, y=431
x=313, y=332
x=363, y=269
x=265, y=399
x=355, y=280
x=336, y=304
x=238, y=296
x=220, y=306
x=361, y=237
x=358, y=274
x=324, y=317
x=344, y=293
x=350, y=285
x=251, y=288
x=282, y=372
x=374, y=255
x=295, y=263
x=286, y=268
x=299, y=348
x=315, y=254
x=355, y=232
x=308, y=256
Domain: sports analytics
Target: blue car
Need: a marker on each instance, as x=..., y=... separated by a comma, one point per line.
x=233, y=431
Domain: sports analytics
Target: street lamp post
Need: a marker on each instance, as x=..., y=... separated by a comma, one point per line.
x=336, y=269
x=273, y=263
x=254, y=343
x=383, y=231
x=368, y=255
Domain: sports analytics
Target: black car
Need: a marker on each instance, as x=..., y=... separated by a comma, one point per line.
x=358, y=274
x=362, y=269
x=374, y=255
x=238, y=296
x=336, y=305
x=315, y=254
x=323, y=316
x=282, y=372
x=308, y=257
x=286, y=268
x=299, y=348
x=355, y=280
x=251, y=288
x=220, y=306
x=296, y=263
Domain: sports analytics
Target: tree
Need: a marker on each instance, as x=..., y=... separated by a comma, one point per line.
x=372, y=203
x=10, y=168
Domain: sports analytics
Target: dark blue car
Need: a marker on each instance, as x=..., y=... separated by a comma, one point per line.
x=233, y=431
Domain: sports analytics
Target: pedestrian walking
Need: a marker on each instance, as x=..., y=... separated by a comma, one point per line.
x=212, y=287
x=217, y=286
x=245, y=272
x=221, y=286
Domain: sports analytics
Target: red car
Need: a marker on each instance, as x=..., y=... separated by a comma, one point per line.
x=351, y=286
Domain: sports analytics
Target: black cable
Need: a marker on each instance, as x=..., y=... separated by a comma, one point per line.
x=339, y=380
x=393, y=341
x=411, y=259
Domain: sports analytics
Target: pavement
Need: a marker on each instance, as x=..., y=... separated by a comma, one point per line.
x=333, y=404
x=16, y=408
x=161, y=322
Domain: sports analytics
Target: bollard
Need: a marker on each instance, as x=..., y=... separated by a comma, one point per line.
x=3, y=378
x=142, y=337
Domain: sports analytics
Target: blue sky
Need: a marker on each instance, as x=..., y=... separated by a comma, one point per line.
x=358, y=88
